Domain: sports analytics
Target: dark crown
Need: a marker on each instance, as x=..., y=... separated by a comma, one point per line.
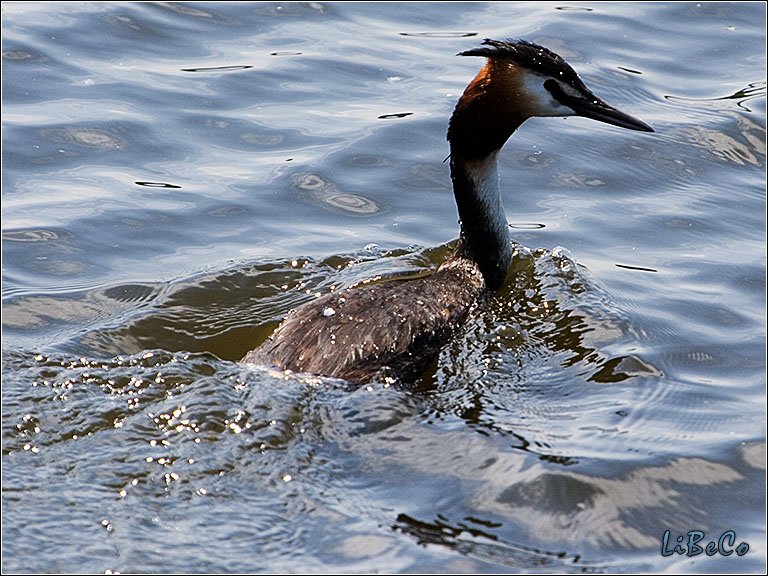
x=528, y=55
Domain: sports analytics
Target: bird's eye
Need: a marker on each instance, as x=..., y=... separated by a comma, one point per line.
x=551, y=86
x=557, y=92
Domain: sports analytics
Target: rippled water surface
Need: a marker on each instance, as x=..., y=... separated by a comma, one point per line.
x=177, y=177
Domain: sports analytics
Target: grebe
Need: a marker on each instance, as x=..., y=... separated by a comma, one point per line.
x=394, y=329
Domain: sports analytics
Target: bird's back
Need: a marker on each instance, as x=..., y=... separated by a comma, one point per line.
x=391, y=328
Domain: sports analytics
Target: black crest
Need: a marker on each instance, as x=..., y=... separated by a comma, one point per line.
x=528, y=55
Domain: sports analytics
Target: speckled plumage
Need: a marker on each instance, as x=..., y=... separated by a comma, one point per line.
x=390, y=328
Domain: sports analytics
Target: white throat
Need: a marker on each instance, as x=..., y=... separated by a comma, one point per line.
x=484, y=228
x=484, y=177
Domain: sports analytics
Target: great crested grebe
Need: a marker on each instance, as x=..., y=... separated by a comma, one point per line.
x=396, y=328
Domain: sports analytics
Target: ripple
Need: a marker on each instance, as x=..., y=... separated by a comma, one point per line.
x=132, y=293
x=186, y=10
x=751, y=91
x=328, y=194
x=217, y=68
x=262, y=139
x=370, y=161
x=352, y=203
x=90, y=137
x=527, y=226
x=226, y=211
x=38, y=235
x=439, y=34
x=21, y=55
x=638, y=268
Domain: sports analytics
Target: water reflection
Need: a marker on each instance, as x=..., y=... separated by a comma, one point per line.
x=725, y=146
x=750, y=92
x=603, y=511
x=468, y=539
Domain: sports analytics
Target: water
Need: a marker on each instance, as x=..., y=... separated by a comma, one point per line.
x=176, y=177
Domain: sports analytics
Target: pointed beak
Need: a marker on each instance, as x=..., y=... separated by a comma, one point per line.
x=590, y=106
x=597, y=109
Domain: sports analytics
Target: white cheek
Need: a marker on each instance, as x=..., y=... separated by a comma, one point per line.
x=540, y=101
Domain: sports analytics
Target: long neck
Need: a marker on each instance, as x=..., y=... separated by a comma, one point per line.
x=485, y=117
x=484, y=229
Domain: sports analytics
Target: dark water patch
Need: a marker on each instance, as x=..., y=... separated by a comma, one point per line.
x=621, y=368
x=232, y=68
x=397, y=115
x=156, y=184
x=229, y=313
x=637, y=268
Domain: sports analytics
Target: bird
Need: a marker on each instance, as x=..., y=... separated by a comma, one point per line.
x=393, y=330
